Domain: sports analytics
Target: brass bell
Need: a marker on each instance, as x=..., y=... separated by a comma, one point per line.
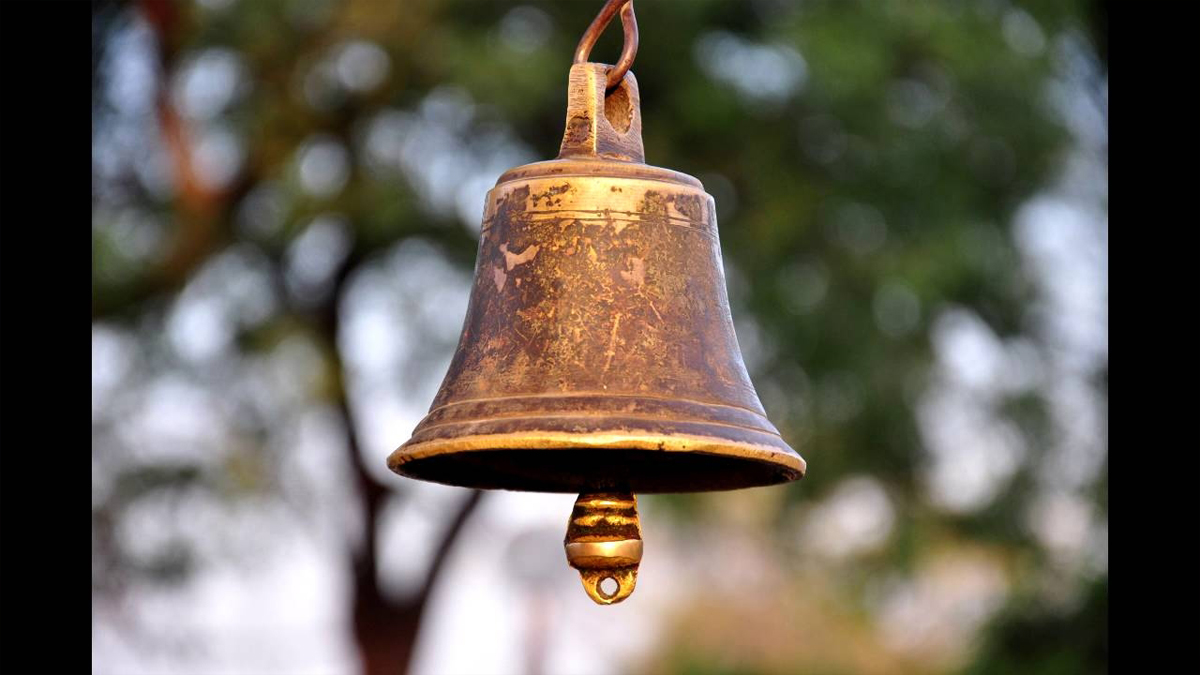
x=598, y=353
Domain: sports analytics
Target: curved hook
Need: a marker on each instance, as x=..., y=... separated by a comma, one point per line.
x=628, y=50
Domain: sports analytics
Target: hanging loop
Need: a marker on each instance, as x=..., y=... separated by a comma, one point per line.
x=628, y=50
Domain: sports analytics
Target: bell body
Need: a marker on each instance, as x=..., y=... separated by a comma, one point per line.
x=598, y=351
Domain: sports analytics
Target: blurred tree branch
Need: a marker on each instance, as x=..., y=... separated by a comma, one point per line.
x=202, y=211
x=385, y=628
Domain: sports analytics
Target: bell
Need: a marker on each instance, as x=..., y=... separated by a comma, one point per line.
x=598, y=353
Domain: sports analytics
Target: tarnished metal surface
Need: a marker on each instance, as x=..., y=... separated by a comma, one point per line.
x=598, y=350
x=598, y=354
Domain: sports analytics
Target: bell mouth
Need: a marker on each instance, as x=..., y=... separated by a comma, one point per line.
x=584, y=442
x=573, y=462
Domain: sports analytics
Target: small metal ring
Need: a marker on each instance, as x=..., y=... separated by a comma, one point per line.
x=605, y=594
x=628, y=49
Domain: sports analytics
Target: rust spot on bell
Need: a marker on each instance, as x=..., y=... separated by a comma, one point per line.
x=511, y=260
x=636, y=275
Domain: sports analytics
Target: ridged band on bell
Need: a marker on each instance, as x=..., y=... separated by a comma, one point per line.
x=598, y=349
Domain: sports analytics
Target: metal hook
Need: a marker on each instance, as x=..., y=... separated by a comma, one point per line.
x=628, y=50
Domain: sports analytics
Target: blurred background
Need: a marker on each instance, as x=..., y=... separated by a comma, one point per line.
x=912, y=199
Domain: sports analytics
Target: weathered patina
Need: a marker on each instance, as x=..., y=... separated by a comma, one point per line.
x=598, y=353
x=598, y=328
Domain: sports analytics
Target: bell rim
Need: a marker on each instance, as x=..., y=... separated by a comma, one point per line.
x=788, y=465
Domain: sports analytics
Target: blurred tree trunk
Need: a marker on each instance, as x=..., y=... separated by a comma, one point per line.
x=385, y=628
